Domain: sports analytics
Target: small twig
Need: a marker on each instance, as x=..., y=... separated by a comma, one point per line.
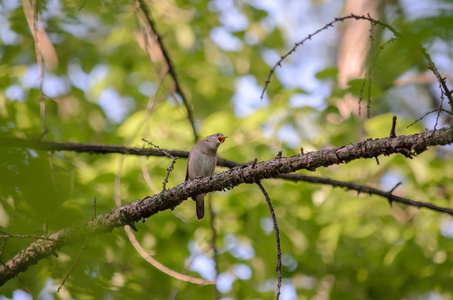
x=421, y=118
x=368, y=103
x=393, y=130
x=377, y=160
x=370, y=71
x=327, y=26
x=277, y=237
x=391, y=191
x=169, y=169
x=361, y=93
x=43, y=134
x=440, y=79
x=439, y=110
x=73, y=265
x=440, y=106
x=394, y=188
x=368, y=79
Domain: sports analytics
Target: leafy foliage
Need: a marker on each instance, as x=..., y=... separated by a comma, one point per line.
x=334, y=242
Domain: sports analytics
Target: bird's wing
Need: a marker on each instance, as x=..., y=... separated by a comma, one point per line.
x=187, y=170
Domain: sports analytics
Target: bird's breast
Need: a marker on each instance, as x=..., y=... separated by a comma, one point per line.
x=202, y=165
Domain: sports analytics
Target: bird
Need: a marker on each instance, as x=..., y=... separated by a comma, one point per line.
x=201, y=162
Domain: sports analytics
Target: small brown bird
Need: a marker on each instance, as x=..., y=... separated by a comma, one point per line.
x=201, y=162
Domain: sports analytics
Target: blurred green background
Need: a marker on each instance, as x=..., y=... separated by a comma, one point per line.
x=103, y=84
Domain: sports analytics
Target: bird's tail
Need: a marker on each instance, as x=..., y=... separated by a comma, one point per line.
x=200, y=206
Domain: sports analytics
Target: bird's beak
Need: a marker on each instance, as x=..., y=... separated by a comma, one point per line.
x=221, y=139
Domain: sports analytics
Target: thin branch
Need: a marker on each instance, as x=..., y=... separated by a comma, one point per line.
x=365, y=80
x=440, y=108
x=374, y=55
x=369, y=74
x=422, y=117
x=74, y=264
x=168, y=154
x=144, y=8
x=160, y=266
x=440, y=79
x=277, y=238
x=90, y=148
x=373, y=22
x=275, y=168
x=367, y=190
x=391, y=191
x=101, y=149
x=393, y=130
x=394, y=188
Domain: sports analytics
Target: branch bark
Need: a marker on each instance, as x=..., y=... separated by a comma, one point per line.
x=144, y=208
x=108, y=149
x=99, y=149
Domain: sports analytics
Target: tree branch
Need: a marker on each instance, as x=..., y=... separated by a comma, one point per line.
x=277, y=239
x=373, y=22
x=169, y=199
x=366, y=189
x=100, y=149
x=90, y=148
x=106, y=149
x=171, y=70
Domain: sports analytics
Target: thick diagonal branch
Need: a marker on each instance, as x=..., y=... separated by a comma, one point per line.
x=169, y=199
x=108, y=149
